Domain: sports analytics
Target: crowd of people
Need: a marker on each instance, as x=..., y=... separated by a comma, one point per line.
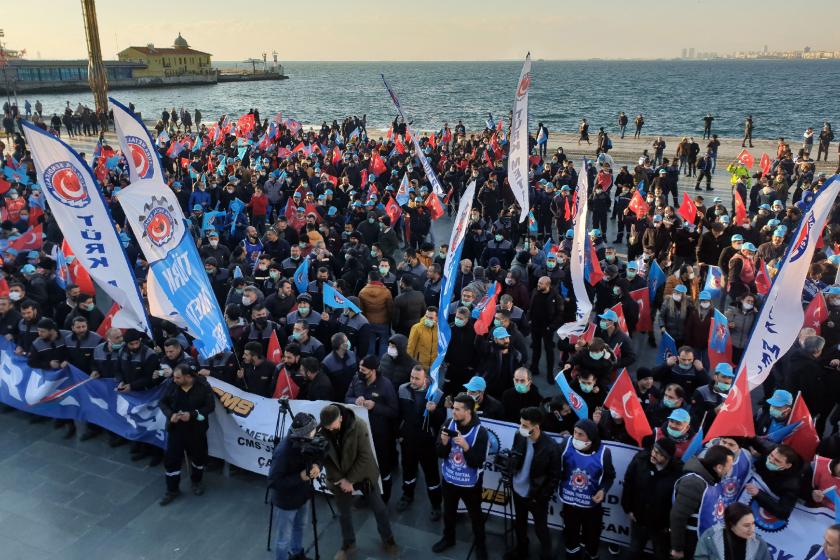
x=334, y=197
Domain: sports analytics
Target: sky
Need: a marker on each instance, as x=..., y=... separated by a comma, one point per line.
x=360, y=30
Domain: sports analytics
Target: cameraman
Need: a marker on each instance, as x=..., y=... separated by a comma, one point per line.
x=290, y=480
x=535, y=480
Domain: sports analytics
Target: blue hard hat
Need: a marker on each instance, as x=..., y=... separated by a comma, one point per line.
x=500, y=332
x=570, y=233
x=705, y=296
x=680, y=289
x=780, y=398
x=724, y=368
x=680, y=415
x=609, y=315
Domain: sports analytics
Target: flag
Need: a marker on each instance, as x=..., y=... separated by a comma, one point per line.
x=433, y=204
x=175, y=148
x=285, y=386
x=780, y=435
x=237, y=272
x=402, y=191
x=486, y=309
x=377, y=166
x=393, y=210
x=78, y=275
x=337, y=301
x=656, y=278
x=30, y=240
x=746, y=158
x=577, y=263
x=667, y=348
x=4, y=186
x=236, y=207
x=62, y=272
x=830, y=493
x=694, y=446
x=714, y=282
x=622, y=322
x=762, y=278
x=336, y=156
x=720, y=343
x=816, y=313
x=107, y=322
x=450, y=272
x=575, y=401
x=274, y=353
x=592, y=267
x=586, y=336
x=641, y=188
x=688, y=210
x=137, y=145
x=622, y=399
x=781, y=316
x=735, y=416
x=301, y=276
x=4, y=287
x=804, y=439
x=765, y=164
x=518, y=156
x=542, y=135
x=740, y=209
x=637, y=205
x=567, y=212
x=642, y=298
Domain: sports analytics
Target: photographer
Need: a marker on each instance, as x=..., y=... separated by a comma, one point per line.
x=534, y=482
x=290, y=480
x=350, y=465
x=463, y=448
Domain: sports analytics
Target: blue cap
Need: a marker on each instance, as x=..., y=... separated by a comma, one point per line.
x=27, y=269
x=833, y=290
x=357, y=204
x=780, y=398
x=33, y=255
x=552, y=256
x=500, y=332
x=724, y=369
x=705, y=295
x=764, y=206
x=783, y=228
x=778, y=203
x=737, y=237
x=476, y=383
x=717, y=200
x=328, y=192
x=566, y=188
x=332, y=211
x=632, y=265
x=213, y=233
x=176, y=183
x=834, y=259
x=724, y=219
x=595, y=232
x=322, y=197
x=779, y=232
x=197, y=208
x=680, y=289
x=657, y=218
x=748, y=247
x=773, y=223
x=570, y=233
x=680, y=415
x=609, y=315
x=296, y=194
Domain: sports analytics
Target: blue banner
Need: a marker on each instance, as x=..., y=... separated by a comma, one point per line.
x=337, y=301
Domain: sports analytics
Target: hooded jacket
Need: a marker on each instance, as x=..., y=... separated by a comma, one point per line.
x=648, y=491
x=711, y=546
x=688, y=493
x=591, y=430
x=350, y=454
x=422, y=343
x=398, y=369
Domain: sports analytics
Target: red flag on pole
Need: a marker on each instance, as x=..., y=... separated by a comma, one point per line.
x=106, y=322
x=30, y=240
x=377, y=166
x=642, y=298
x=765, y=164
x=4, y=288
x=78, y=274
x=740, y=209
x=434, y=206
x=285, y=386
x=746, y=158
x=638, y=205
x=816, y=313
x=688, y=210
x=567, y=213
x=393, y=210
x=274, y=354
x=587, y=335
x=735, y=417
x=762, y=278
x=485, y=319
x=622, y=322
x=804, y=439
x=623, y=400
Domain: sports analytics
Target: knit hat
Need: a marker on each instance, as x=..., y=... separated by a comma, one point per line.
x=303, y=424
x=666, y=446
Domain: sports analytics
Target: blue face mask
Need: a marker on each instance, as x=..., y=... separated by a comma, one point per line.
x=723, y=387
x=684, y=366
x=586, y=388
x=117, y=345
x=603, y=325
x=497, y=323
x=460, y=322
x=673, y=433
x=596, y=355
x=772, y=467
x=521, y=387
x=296, y=335
x=776, y=413
x=669, y=403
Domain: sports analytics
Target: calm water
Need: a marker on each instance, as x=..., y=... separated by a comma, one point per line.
x=784, y=97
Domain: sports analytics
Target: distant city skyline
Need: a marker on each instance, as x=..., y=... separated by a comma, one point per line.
x=374, y=30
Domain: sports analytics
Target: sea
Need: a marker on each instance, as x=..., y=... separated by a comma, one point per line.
x=783, y=96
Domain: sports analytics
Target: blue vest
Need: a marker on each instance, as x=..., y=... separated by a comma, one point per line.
x=455, y=470
x=712, y=506
x=731, y=485
x=585, y=471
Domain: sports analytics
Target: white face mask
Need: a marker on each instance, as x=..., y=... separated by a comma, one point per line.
x=247, y=301
x=524, y=432
x=15, y=296
x=705, y=304
x=214, y=242
x=580, y=445
x=676, y=297
x=393, y=352
x=747, y=306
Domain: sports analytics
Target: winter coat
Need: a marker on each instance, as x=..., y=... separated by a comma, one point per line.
x=350, y=454
x=377, y=303
x=711, y=546
x=422, y=343
x=647, y=491
x=398, y=369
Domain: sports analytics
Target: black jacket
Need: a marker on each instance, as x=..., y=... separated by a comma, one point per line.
x=288, y=490
x=784, y=484
x=648, y=491
x=198, y=401
x=546, y=465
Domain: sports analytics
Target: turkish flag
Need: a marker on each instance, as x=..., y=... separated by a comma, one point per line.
x=762, y=278
x=688, y=210
x=638, y=205
x=735, y=418
x=816, y=313
x=746, y=158
x=4, y=288
x=377, y=166
x=567, y=213
x=765, y=164
x=642, y=299
x=4, y=186
x=285, y=386
x=31, y=239
x=587, y=335
x=740, y=209
x=78, y=274
x=485, y=318
x=434, y=206
x=336, y=156
x=393, y=210
x=106, y=323
x=623, y=400
x=274, y=354
x=622, y=322
x=804, y=439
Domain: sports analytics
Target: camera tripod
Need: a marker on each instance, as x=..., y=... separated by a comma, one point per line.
x=505, y=485
x=323, y=480
x=283, y=412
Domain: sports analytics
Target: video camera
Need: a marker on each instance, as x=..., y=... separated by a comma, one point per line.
x=507, y=461
x=314, y=450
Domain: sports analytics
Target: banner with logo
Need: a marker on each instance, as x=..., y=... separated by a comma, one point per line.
x=137, y=145
x=154, y=214
x=450, y=272
x=781, y=315
x=518, y=156
x=794, y=538
x=80, y=211
x=577, y=261
x=71, y=394
x=243, y=426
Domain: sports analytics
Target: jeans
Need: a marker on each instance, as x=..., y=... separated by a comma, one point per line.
x=290, y=523
x=621, y=129
x=713, y=157
x=380, y=333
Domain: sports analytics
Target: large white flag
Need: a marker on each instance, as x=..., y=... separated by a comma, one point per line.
x=781, y=315
x=137, y=145
x=518, y=156
x=578, y=259
x=84, y=220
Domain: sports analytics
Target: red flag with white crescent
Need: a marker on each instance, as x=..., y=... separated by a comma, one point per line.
x=623, y=400
x=735, y=417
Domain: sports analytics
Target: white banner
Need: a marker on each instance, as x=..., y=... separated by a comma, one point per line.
x=781, y=316
x=137, y=145
x=577, y=260
x=519, y=154
x=794, y=538
x=79, y=209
